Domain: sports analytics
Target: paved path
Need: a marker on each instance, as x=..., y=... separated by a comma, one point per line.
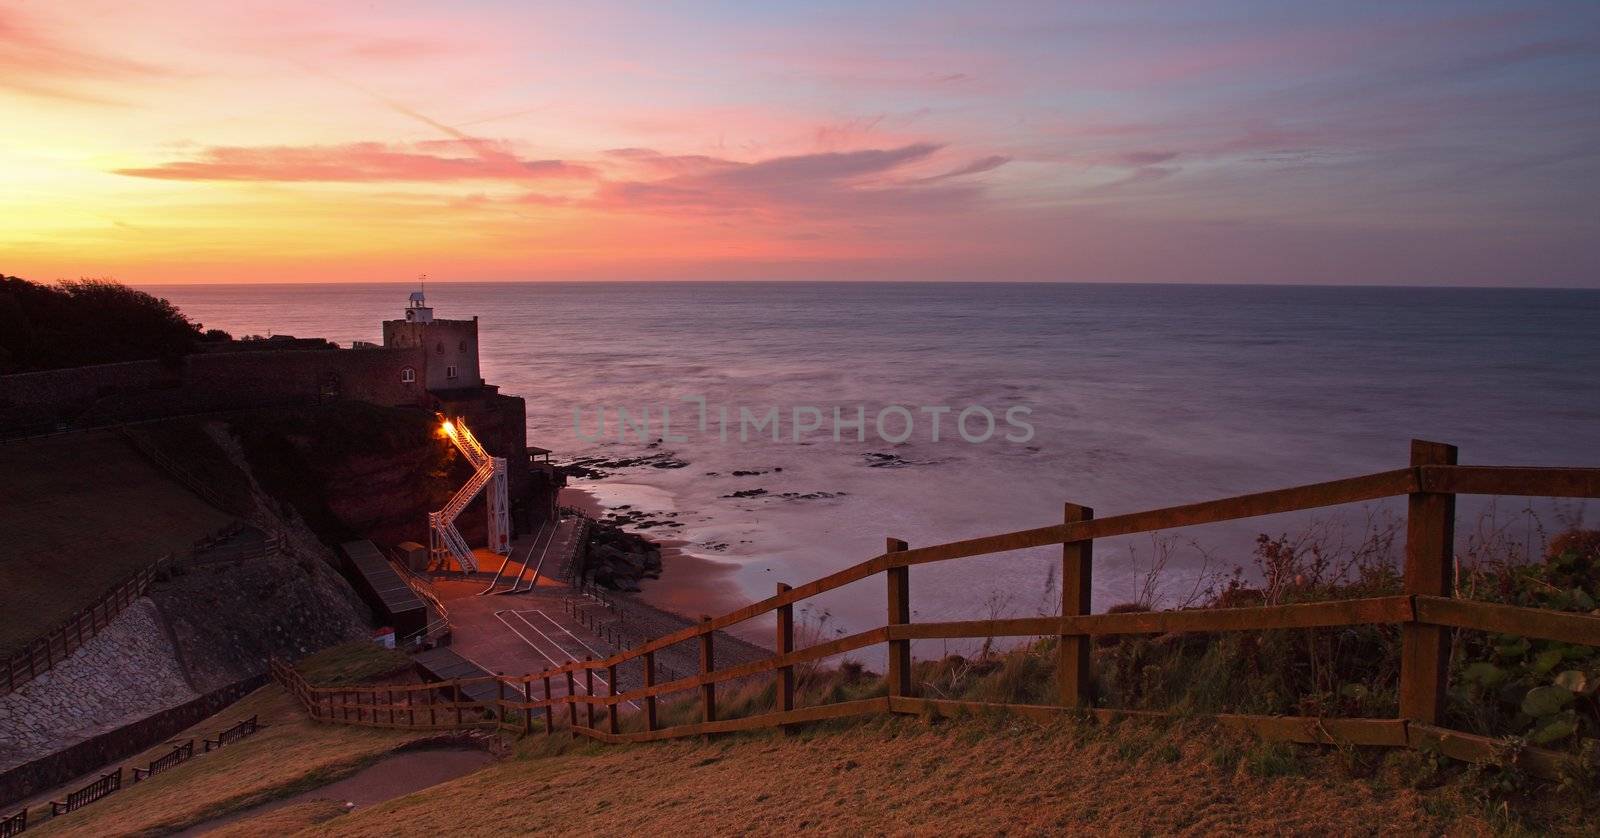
x=505, y=632
x=550, y=624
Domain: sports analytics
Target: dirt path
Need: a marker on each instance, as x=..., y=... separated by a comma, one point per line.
x=389, y=778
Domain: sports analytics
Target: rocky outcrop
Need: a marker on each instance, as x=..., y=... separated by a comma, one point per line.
x=228, y=618
x=620, y=560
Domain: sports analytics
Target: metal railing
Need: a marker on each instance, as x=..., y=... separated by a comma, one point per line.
x=1425, y=613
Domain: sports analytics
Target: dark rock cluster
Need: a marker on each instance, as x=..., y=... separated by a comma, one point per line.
x=620, y=560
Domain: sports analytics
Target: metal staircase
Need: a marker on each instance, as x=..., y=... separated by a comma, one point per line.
x=444, y=540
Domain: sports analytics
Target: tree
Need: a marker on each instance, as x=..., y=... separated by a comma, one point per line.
x=89, y=321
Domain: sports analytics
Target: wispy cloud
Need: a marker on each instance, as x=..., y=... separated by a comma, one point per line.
x=36, y=62
x=864, y=181
x=356, y=162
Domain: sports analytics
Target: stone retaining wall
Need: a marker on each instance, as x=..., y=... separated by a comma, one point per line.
x=124, y=673
x=101, y=751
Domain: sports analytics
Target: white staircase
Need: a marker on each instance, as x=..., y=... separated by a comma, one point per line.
x=490, y=474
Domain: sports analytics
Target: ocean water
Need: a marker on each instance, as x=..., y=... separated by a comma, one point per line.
x=1137, y=396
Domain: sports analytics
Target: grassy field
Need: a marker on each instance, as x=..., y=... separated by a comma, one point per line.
x=81, y=512
x=981, y=775
x=289, y=754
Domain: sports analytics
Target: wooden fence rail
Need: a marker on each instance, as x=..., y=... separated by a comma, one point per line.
x=1425, y=613
x=107, y=784
x=14, y=825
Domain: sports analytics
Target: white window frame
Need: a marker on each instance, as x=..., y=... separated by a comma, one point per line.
x=451, y=372
x=408, y=375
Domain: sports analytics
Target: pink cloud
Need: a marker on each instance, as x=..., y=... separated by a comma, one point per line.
x=356, y=162
x=976, y=167
x=34, y=63
x=852, y=183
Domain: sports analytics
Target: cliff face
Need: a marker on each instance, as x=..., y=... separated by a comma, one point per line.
x=354, y=470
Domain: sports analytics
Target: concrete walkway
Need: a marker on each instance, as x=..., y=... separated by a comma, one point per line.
x=537, y=629
x=517, y=633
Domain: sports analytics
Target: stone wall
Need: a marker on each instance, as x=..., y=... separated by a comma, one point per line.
x=104, y=749
x=444, y=344
x=87, y=396
x=126, y=672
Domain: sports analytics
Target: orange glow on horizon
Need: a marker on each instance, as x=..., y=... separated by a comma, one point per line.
x=311, y=142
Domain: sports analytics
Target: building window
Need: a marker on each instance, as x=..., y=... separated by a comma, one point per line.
x=408, y=375
x=439, y=347
x=449, y=372
x=463, y=346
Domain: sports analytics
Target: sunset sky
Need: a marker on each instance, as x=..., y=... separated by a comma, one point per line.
x=1329, y=142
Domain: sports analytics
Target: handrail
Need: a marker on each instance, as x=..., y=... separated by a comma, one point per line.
x=1418, y=610
x=533, y=581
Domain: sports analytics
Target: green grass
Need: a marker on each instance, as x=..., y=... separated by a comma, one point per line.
x=356, y=662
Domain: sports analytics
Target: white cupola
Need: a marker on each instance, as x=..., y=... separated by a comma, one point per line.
x=417, y=310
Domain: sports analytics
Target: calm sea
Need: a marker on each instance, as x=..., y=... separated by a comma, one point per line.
x=1138, y=396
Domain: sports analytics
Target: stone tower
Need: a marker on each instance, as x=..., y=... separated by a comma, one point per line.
x=450, y=347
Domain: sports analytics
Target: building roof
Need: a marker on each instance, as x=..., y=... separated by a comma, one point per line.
x=396, y=596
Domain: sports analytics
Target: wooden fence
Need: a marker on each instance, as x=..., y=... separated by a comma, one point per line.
x=177, y=756
x=14, y=825
x=231, y=735
x=1425, y=613
x=107, y=784
x=59, y=643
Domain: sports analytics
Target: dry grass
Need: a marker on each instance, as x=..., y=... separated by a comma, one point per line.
x=288, y=755
x=81, y=512
x=978, y=775
x=283, y=820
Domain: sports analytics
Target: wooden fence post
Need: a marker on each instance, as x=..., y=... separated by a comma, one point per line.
x=433, y=721
x=1429, y=571
x=783, y=645
x=500, y=700
x=572, y=707
x=899, y=579
x=588, y=689
x=612, y=722
x=1077, y=577
x=527, y=712
x=549, y=709
x=650, y=681
x=708, y=690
